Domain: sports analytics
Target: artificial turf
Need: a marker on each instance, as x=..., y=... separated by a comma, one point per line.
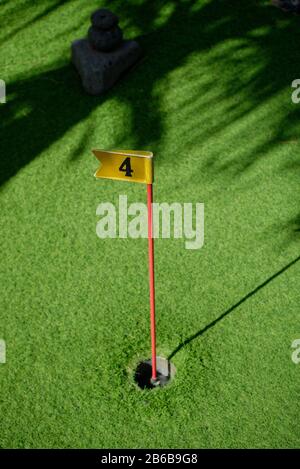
x=212, y=100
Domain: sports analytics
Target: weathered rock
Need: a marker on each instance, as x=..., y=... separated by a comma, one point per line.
x=99, y=71
x=104, y=19
x=105, y=41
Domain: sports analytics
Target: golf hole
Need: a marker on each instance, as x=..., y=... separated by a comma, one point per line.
x=165, y=373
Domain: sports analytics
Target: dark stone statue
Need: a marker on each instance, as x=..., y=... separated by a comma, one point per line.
x=104, y=56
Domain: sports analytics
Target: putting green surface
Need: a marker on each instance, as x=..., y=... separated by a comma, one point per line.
x=212, y=100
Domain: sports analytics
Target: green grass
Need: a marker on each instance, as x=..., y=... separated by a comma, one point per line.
x=212, y=99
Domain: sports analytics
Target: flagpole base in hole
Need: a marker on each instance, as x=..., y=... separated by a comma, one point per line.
x=165, y=373
x=155, y=382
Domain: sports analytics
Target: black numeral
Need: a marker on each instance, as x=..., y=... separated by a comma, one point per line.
x=126, y=167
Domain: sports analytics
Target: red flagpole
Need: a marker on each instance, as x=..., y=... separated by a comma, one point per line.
x=151, y=281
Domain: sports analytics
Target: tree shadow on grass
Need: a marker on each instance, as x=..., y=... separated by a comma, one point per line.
x=254, y=26
x=232, y=308
x=55, y=101
x=35, y=17
x=41, y=110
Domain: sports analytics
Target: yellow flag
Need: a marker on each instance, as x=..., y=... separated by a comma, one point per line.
x=132, y=166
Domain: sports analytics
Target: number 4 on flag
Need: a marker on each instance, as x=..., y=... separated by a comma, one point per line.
x=133, y=166
x=126, y=167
